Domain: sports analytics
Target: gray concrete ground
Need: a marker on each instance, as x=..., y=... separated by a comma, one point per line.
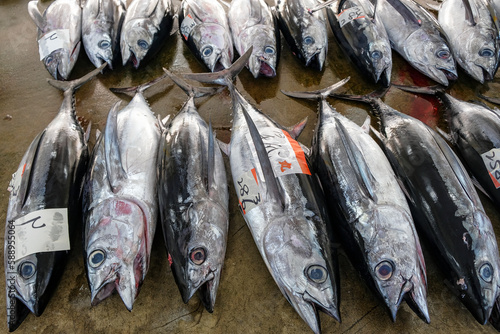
x=248, y=299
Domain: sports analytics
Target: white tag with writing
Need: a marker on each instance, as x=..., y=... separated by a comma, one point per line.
x=350, y=14
x=187, y=25
x=248, y=191
x=53, y=40
x=491, y=160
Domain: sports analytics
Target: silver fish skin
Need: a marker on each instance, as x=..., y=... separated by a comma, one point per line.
x=101, y=25
x=50, y=176
x=363, y=39
x=375, y=222
x=304, y=32
x=120, y=202
x=60, y=15
x=204, y=27
x=146, y=25
x=286, y=215
x=445, y=205
x=193, y=196
x=252, y=23
x=416, y=35
x=473, y=35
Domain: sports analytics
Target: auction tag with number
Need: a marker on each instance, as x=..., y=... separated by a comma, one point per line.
x=187, y=25
x=285, y=153
x=491, y=160
x=53, y=40
x=247, y=189
x=349, y=15
x=41, y=231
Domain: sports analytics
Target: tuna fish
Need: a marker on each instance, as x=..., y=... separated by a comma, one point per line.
x=44, y=208
x=362, y=36
x=445, y=205
x=472, y=32
x=304, y=31
x=475, y=131
x=282, y=203
x=101, y=26
x=253, y=24
x=416, y=35
x=205, y=29
x=194, y=198
x=375, y=222
x=59, y=33
x=145, y=27
x=120, y=201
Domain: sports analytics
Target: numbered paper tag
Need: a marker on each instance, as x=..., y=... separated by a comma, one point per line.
x=41, y=231
x=491, y=160
x=53, y=40
x=349, y=15
x=247, y=188
x=187, y=25
x=285, y=154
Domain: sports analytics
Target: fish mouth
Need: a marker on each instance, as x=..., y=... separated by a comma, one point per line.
x=383, y=76
x=207, y=290
x=317, y=60
x=442, y=75
x=101, y=60
x=415, y=298
x=480, y=73
x=133, y=58
x=260, y=66
x=307, y=307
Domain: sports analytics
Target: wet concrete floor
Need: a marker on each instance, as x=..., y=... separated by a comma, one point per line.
x=248, y=300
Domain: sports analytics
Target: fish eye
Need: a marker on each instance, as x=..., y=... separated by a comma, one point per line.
x=96, y=258
x=485, y=52
x=207, y=51
x=269, y=50
x=376, y=54
x=486, y=272
x=384, y=270
x=48, y=60
x=316, y=273
x=308, y=40
x=27, y=269
x=443, y=54
x=104, y=44
x=197, y=256
x=143, y=44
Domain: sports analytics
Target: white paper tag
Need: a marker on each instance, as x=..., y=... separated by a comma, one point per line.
x=491, y=160
x=349, y=15
x=187, y=25
x=53, y=40
x=248, y=191
x=41, y=231
x=285, y=154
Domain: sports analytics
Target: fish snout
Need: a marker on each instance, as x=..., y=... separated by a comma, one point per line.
x=317, y=59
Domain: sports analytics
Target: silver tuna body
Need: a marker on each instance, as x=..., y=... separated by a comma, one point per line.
x=101, y=25
x=253, y=24
x=120, y=202
x=472, y=31
x=415, y=34
x=59, y=33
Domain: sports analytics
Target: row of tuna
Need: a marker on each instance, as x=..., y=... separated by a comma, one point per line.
x=141, y=165
x=365, y=31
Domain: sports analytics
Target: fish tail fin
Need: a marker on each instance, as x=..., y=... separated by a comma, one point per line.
x=36, y=16
x=191, y=90
x=224, y=77
x=430, y=90
x=370, y=98
x=140, y=88
x=75, y=84
x=321, y=94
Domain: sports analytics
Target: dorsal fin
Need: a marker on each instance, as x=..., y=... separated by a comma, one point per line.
x=469, y=15
x=273, y=192
x=35, y=14
x=405, y=12
x=114, y=166
x=360, y=168
x=296, y=130
x=211, y=158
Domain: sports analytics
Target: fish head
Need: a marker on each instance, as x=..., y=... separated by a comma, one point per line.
x=197, y=264
x=26, y=281
x=116, y=251
x=98, y=46
x=378, y=59
x=301, y=268
x=214, y=46
x=395, y=260
x=60, y=62
x=264, y=54
x=479, y=56
x=431, y=56
x=136, y=40
x=313, y=44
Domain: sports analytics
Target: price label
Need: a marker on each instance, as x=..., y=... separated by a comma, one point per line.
x=40, y=231
x=53, y=40
x=491, y=160
x=187, y=25
x=349, y=15
x=285, y=153
x=247, y=189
